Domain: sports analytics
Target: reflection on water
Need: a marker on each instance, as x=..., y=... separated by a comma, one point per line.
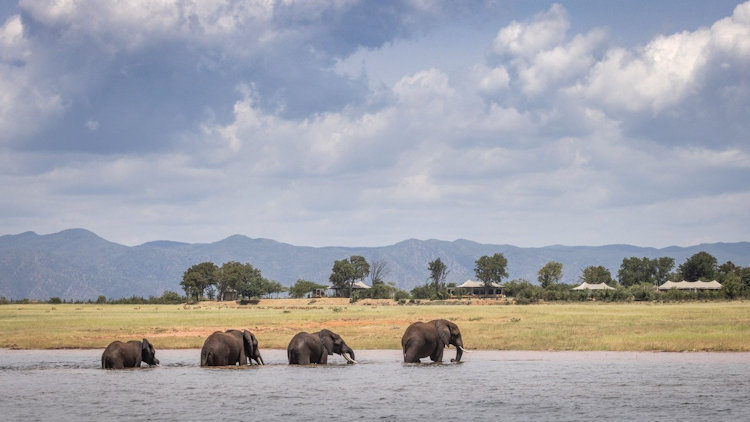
x=68, y=384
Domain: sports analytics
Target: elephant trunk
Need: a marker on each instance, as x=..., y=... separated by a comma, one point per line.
x=459, y=351
x=348, y=354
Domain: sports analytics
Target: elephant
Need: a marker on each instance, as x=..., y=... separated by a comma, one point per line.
x=230, y=348
x=120, y=355
x=306, y=348
x=422, y=339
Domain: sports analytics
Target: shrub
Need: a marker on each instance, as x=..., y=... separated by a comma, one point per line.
x=643, y=292
x=401, y=295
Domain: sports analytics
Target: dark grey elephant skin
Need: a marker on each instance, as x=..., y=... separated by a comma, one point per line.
x=307, y=348
x=423, y=339
x=232, y=347
x=119, y=355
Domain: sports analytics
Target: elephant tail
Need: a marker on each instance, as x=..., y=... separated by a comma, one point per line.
x=205, y=357
x=106, y=363
x=291, y=355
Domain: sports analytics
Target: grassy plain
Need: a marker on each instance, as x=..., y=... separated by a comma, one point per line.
x=714, y=326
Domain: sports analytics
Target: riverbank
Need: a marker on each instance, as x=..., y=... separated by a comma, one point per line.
x=709, y=326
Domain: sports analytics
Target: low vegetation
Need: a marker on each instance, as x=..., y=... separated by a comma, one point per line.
x=378, y=324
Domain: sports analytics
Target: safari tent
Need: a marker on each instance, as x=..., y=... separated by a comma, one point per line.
x=476, y=288
x=357, y=285
x=593, y=286
x=691, y=285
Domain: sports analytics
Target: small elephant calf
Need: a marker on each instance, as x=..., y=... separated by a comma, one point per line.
x=119, y=355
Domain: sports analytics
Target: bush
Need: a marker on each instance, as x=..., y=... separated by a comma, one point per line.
x=558, y=292
x=401, y=295
x=425, y=292
x=54, y=300
x=643, y=292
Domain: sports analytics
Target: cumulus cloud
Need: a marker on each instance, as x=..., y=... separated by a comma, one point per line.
x=229, y=117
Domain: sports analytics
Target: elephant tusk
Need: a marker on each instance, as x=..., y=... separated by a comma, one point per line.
x=464, y=350
x=348, y=359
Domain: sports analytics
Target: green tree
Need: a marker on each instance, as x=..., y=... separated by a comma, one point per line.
x=490, y=269
x=596, y=274
x=732, y=286
x=346, y=271
x=198, y=278
x=636, y=270
x=303, y=287
x=361, y=268
x=248, y=281
x=699, y=266
x=664, y=266
x=550, y=274
x=245, y=279
x=438, y=273
x=341, y=274
x=644, y=270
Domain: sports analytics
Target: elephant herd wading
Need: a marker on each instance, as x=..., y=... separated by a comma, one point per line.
x=240, y=347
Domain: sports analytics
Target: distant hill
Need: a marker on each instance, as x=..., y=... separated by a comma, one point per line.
x=78, y=264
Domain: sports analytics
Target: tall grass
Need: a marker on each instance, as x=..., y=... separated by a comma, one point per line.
x=715, y=326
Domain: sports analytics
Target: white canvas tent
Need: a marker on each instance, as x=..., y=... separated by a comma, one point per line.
x=593, y=286
x=360, y=285
x=691, y=285
x=471, y=287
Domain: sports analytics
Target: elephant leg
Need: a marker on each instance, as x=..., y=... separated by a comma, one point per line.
x=410, y=356
x=323, y=358
x=437, y=355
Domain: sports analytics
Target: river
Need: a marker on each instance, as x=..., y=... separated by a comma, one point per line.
x=489, y=385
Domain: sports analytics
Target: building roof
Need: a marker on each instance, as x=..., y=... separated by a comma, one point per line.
x=471, y=284
x=691, y=285
x=595, y=286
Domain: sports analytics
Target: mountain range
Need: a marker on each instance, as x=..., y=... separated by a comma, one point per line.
x=78, y=264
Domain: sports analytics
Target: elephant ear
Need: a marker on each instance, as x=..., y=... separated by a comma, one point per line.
x=247, y=338
x=144, y=346
x=443, y=332
x=327, y=340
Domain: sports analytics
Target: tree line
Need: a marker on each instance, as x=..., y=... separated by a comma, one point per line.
x=637, y=279
x=208, y=281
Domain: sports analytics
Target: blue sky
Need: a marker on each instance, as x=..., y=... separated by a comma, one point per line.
x=365, y=123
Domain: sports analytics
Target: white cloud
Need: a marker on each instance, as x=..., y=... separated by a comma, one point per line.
x=560, y=64
x=539, y=134
x=732, y=34
x=545, y=31
x=659, y=76
x=133, y=24
x=491, y=80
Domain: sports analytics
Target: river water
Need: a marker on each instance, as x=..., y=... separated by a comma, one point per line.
x=488, y=385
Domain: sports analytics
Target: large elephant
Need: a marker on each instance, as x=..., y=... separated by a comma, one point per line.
x=231, y=347
x=423, y=339
x=306, y=348
x=120, y=355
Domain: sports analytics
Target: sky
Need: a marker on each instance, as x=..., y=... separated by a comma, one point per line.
x=361, y=123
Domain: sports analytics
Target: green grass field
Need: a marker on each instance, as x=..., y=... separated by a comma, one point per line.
x=714, y=326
